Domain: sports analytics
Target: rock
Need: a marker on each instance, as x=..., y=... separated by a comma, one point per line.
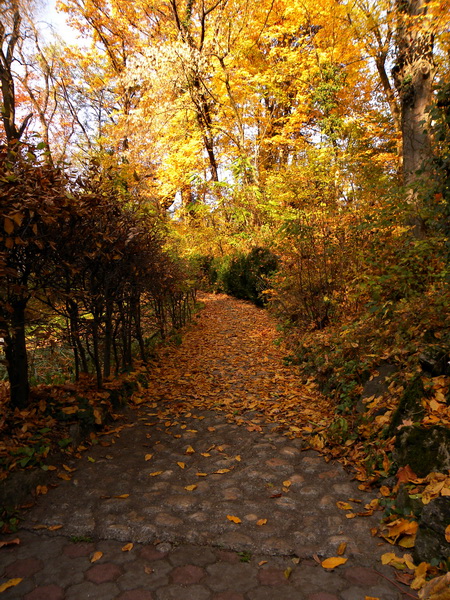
x=377, y=385
x=435, y=361
x=424, y=449
x=430, y=540
x=410, y=405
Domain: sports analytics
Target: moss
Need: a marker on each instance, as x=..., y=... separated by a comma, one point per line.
x=410, y=405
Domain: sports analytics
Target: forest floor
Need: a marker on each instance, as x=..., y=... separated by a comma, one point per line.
x=207, y=489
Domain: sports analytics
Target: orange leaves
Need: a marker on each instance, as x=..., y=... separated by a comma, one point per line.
x=261, y=522
x=191, y=488
x=401, y=531
x=96, y=556
x=333, y=562
x=189, y=450
x=10, y=583
x=234, y=519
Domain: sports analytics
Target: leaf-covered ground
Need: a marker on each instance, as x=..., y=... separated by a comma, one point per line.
x=232, y=360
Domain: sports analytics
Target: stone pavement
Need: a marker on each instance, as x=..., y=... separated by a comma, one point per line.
x=173, y=506
x=183, y=503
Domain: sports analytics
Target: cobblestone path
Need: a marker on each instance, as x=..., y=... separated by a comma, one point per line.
x=195, y=498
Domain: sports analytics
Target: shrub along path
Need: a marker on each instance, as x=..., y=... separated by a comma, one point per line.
x=205, y=490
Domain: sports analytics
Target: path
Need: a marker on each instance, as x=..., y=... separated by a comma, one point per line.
x=174, y=479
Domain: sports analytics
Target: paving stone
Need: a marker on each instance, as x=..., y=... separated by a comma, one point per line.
x=63, y=572
x=271, y=576
x=270, y=593
x=151, y=553
x=227, y=596
x=362, y=576
x=242, y=576
x=47, y=592
x=194, y=555
x=167, y=520
x=103, y=573
x=356, y=593
x=323, y=596
x=91, y=591
x=26, y=567
x=187, y=575
x=178, y=592
x=136, y=595
x=78, y=549
x=148, y=576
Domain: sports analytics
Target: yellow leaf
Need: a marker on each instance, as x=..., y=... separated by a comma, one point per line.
x=388, y=557
x=287, y=483
x=261, y=522
x=191, y=488
x=342, y=548
x=344, y=505
x=10, y=583
x=238, y=458
x=189, y=450
x=334, y=561
x=385, y=491
x=148, y=456
x=64, y=476
x=447, y=533
x=370, y=598
x=127, y=547
x=96, y=556
x=350, y=515
x=234, y=519
x=221, y=471
x=122, y=496
x=419, y=576
x=182, y=465
x=287, y=572
x=68, y=469
x=155, y=473
x=97, y=416
x=54, y=527
x=408, y=541
x=205, y=454
x=262, y=562
x=202, y=474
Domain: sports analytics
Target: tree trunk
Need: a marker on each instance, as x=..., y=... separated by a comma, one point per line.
x=16, y=356
x=413, y=73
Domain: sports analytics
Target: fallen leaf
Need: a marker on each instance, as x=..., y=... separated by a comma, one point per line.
x=54, y=527
x=64, y=476
x=10, y=583
x=234, y=519
x=436, y=589
x=205, y=454
x=191, y=488
x=68, y=469
x=296, y=560
x=182, y=465
x=41, y=490
x=96, y=556
x=261, y=522
x=122, y=496
x=262, y=562
x=189, y=450
x=287, y=572
x=127, y=547
x=342, y=548
x=90, y=459
x=149, y=570
x=317, y=559
x=447, y=533
x=287, y=483
x=202, y=474
x=370, y=598
x=221, y=471
x=344, y=505
x=333, y=562
x=13, y=542
x=155, y=473
x=385, y=491
x=148, y=456
x=350, y=515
